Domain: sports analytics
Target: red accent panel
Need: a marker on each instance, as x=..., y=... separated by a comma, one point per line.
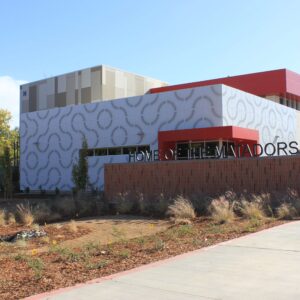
x=167, y=139
x=277, y=82
x=292, y=83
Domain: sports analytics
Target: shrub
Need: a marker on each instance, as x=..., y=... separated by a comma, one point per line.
x=42, y=213
x=286, y=211
x=156, y=206
x=85, y=205
x=124, y=203
x=7, y=168
x=291, y=196
x=294, y=199
x=80, y=170
x=24, y=214
x=57, y=191
x=222, y=210
x=201, y=203
x=182, y=208
x=160, y=205
x=64, y=206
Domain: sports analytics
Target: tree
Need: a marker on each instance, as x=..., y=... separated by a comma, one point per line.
x=5, y=117
x=9, y=149
x=7, y=175
x=8, y=137
x=80, y=175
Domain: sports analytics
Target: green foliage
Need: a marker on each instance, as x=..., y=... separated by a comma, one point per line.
x=36, y=264
x=7, y=136
x=37, y=267
x=7, y=178
x=5, y=117
x=97, y=265
x=124, y=254
x=8, y=140
x=159, y=244
x=67, y=254
x=80, y=169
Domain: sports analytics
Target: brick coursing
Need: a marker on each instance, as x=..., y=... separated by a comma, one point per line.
x=203, y=176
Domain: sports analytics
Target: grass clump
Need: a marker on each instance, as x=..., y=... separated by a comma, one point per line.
x=37, y=266
x=159, y=244
x=72, y=226
x=222, y=210
x=97, y=265
x=67, y=254
x=252, y=210
x=181, y=209
x=124, y=254
x=124, y=203
x=286, y=211
x=2, y=218
x=11, y=219
x=24, y=214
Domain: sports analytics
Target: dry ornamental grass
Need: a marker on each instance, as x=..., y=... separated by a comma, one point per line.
x=25, y=214
x=222, y=210
x=2, y=218
x=181, y=209
x=286, y=211
x=252, y=210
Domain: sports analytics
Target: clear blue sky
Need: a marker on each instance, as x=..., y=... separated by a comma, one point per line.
x=172, y=40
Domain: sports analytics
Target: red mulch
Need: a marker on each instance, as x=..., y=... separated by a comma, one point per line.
x=65, y=268
x=58, y=234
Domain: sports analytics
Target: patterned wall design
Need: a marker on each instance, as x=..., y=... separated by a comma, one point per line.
x=274, y=121
x=50, y=139
x=83, y=86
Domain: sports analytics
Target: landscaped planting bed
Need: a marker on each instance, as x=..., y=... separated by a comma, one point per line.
x=24, y=273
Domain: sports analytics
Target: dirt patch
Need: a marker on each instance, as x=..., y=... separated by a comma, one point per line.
x=101, y=230
x=61, y=266
x=106, y=230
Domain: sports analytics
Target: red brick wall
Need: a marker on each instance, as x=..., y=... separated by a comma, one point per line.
x=207, y=176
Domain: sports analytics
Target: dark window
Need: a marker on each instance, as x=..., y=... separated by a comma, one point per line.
x=101, y=152
x=128, y=150
x=117, y=150
x=182, y=151
x=91, y=152
x=196, y=149
x=229, y=148
x=114, y=151
x=143, y=148
x=210, y=148
x=281, y=101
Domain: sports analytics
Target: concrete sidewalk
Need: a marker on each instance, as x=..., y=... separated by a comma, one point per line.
x=263, y=265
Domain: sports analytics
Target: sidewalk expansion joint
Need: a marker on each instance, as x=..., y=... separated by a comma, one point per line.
x=262, y=248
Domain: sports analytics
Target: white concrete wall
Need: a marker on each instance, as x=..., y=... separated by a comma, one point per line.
x=275, y=122
x=298, y=127
x=50, y=139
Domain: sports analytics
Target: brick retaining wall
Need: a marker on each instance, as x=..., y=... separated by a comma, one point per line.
x=206, y=176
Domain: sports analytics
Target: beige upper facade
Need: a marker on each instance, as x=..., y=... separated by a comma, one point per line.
x=84, y=86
